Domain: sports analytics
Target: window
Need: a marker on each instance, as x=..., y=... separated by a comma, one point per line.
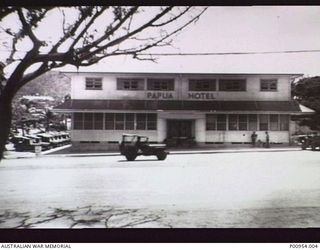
x=151, y=121
x=93, y=83
x=211, y=121
x=202, y=85
x=141, y=121
x=274, y=122
x=88, y=121
x=77, y=120
x=233, y=122
x=97, y=121
x=119, y=122
x=109, y=121
x=232, y=84
x=160, y=84
x=263, y=122
x=243, y=122
x=221, y=122
x=268, y=84
x=253, y=120
x=146, y=122
x=130, y=84
x=129, y=121
x=284, y=122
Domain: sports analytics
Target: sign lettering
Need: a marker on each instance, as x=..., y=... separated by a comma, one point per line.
x=159, y=95
x=201, y=96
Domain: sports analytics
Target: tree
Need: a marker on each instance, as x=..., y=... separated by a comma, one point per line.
x=79, y=36
x=307, y=92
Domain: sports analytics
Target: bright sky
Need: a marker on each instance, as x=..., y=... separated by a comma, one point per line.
x=238, y=29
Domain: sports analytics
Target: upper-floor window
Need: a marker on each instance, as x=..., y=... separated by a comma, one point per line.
x=130, y=84
x=160, y=84
x=93, y=83
x=268, y=84
x=232, y=85
x=202, y=85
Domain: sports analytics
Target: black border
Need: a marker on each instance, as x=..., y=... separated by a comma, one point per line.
x=254, y=235
x=308, y=235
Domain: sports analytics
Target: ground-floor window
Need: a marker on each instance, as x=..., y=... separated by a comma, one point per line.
x=247, y=122
x=115, y=121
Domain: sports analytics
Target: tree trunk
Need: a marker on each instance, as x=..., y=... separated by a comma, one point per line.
x=5, y=122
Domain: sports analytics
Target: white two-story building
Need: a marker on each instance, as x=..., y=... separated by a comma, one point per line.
x=212, y=109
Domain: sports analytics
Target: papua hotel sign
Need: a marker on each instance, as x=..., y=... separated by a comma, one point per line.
x=169, y=96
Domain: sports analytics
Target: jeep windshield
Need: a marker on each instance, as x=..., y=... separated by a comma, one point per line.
x=129, y=138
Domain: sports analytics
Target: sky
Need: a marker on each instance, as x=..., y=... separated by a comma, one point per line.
x=229, y=29
x=238, y=29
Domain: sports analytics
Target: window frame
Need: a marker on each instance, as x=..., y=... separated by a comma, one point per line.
x=268, y=82
x=197, y=85
x=122, y=81
x=94, y=82
x=224, y=85
x=170, y=82
x=265, y=122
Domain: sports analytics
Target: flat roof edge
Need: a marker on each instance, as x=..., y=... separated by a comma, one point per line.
x=177, y=73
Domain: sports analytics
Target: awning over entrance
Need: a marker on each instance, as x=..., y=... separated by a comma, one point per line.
x=211, y=106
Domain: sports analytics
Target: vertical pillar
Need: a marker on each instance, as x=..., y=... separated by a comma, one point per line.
x=161, y=129
x=292, y=129
x=200, y=130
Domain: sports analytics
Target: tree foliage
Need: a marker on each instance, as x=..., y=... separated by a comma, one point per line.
x=37, y=40
x=307, y=92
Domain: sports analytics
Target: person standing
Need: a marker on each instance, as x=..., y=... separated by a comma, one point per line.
x=267, y=140
x=254, y=138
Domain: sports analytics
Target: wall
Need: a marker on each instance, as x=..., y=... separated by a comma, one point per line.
x=109, y=90
x=245, y=136
x=108, y=135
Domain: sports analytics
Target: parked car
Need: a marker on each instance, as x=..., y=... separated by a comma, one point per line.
x=38, y=140
x=310, y=141
x=24, y=143
x=133, y=145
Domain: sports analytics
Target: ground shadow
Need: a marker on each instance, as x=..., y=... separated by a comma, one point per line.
x=139, y=160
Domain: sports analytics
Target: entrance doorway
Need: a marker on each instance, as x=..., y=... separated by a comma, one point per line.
x=180, y=133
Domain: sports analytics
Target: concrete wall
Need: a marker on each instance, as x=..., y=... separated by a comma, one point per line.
x=109, y=88
x=245, y=136
x=201, y=135
x=109, y=135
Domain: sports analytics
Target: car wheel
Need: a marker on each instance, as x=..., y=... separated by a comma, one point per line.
x=313, y=147
x=161, y=155
x=303, y=147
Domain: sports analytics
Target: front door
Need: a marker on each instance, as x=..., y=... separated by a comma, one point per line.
x=178, y=131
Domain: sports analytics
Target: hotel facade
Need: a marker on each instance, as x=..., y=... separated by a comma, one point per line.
x=211, y=110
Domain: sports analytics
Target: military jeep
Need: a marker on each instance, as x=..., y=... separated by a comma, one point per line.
x=132, y=146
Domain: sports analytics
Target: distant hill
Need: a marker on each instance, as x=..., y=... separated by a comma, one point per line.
x=53, y=84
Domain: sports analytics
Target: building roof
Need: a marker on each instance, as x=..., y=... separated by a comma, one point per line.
x=179, y=105
x=180, y=73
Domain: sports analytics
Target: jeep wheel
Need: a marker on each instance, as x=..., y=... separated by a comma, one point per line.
x=131, y=154
x=313, y=147
x=303, y=147
x=130, y=157
x=161, y=155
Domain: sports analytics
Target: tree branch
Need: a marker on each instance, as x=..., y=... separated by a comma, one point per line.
x=27, y=28
x=74, y=27
x=110, y=32
x=96, y=15
x=124, y=37
x=135, y=51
